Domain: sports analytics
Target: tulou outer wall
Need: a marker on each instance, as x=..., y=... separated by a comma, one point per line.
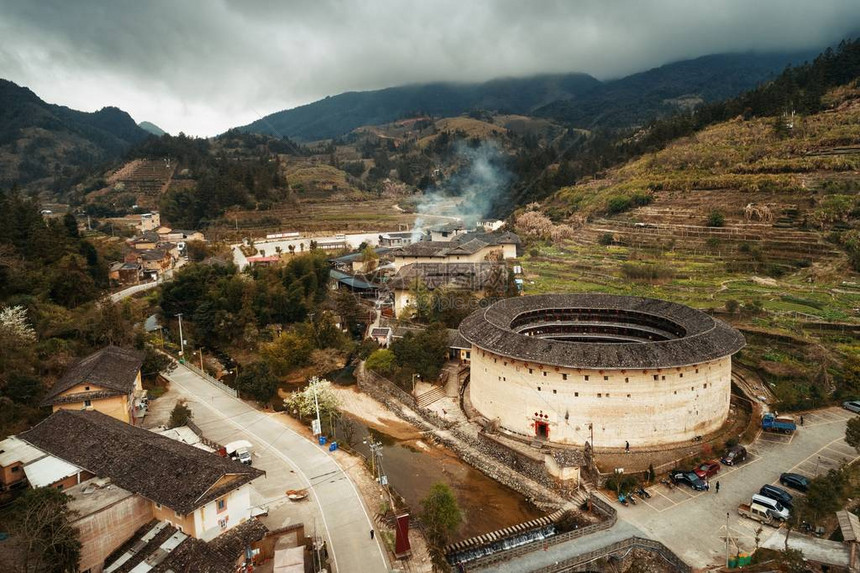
x=645, y=407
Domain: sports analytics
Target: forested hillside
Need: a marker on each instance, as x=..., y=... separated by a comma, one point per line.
x=575, y=99
x=51, y=280
x=53, y=145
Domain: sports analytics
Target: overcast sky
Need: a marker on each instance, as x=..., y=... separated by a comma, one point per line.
x=204, y=66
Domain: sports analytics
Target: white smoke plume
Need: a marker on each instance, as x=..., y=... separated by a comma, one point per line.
x=479, y=181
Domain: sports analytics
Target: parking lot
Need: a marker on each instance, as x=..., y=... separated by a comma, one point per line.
x=693, y=523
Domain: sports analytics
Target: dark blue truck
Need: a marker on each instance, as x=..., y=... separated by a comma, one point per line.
x=784, y=424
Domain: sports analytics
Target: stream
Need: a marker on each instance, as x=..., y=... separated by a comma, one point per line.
x=413, y=466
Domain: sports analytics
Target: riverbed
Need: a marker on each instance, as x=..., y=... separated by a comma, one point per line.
x=413, y=464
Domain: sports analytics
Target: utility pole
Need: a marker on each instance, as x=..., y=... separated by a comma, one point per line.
x=181, y=341
x=727, y=539
x=317, y=425
x=201, y=360
x=414, y=376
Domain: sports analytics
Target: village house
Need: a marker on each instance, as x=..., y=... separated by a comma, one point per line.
x=144, y=241
x=399, y=239
x=264, y=261
x=152, y=261
x=179, y=235
x=355, y=263
x=107, y=381
x=149, y=222
x=381, y=335
x=135, y=477
x=477, y=278
x=469, y=247
x=125, y=274
x=448, y=231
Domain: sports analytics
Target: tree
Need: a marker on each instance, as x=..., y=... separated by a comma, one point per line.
x=441, y=516
x=381, y=361
x=257, y=381
x=852, y=433
x=303, y=403
x=716, y=219
x=43, y=523
x=370, y=259
x=153, y=363
x=181, y=415
x=288, y=351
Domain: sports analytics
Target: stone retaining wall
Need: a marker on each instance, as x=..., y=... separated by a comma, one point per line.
x=471, y=450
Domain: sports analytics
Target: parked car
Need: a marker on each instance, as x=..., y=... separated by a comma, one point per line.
x=794, y=481
x=707, y=469
x=734, y=455
x=689, y=478
x=758, y=513
x=852, y=405
x=778, y=510
x=778, y=494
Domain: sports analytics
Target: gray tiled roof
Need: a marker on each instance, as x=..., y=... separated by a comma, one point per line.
x=160, y=469
x=112, y=368
x=462, y=276
x=704, y=338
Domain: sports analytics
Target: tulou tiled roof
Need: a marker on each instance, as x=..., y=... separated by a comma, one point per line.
x=113, y=369
x=703, y=338
x=160, y=469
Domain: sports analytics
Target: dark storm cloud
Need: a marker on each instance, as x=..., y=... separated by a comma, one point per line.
x=205, y=66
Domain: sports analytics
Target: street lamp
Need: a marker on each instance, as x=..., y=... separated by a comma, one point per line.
x=181, y=341
x=414, y=376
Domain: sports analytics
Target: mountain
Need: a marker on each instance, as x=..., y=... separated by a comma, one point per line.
x=641, y=97
x=578, y=99
x=151, y=128
x=39, y=140
x=340, y=114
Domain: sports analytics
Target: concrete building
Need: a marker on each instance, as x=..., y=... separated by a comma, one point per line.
x=108, y=381
x=627, y=369
x=147, y=477
x=149, y=222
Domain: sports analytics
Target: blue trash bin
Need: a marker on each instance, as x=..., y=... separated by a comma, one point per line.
x=332, y=447
x=322, y=440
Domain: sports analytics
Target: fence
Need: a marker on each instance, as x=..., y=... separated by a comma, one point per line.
x=598, y=504
x=217, y=383
x=626, y=544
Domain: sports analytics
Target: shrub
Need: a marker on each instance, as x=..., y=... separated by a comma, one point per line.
x=381, y=361
x=606, y=239
x=180, y=416
x=716, y=219
x=646, y=271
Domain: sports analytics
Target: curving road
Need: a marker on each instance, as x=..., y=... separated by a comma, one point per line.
x=344, y=518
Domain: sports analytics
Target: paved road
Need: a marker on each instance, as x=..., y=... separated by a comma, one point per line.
x=693, y=524
x=125, y=293
x=345, y=520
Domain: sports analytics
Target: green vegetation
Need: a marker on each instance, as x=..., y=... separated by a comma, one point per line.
x=50, y=282
x=421, y=353
x=44, y=538
x=180, y=415
x=716, y=219
x=441, y=518
x=257, y=381
x=852, y=433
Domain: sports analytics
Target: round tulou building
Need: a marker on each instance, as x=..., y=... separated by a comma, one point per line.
x=629, y=369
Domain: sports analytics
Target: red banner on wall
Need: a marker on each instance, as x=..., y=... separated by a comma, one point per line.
x=401, y=541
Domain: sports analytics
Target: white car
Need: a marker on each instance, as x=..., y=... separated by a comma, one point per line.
x=852, y=405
